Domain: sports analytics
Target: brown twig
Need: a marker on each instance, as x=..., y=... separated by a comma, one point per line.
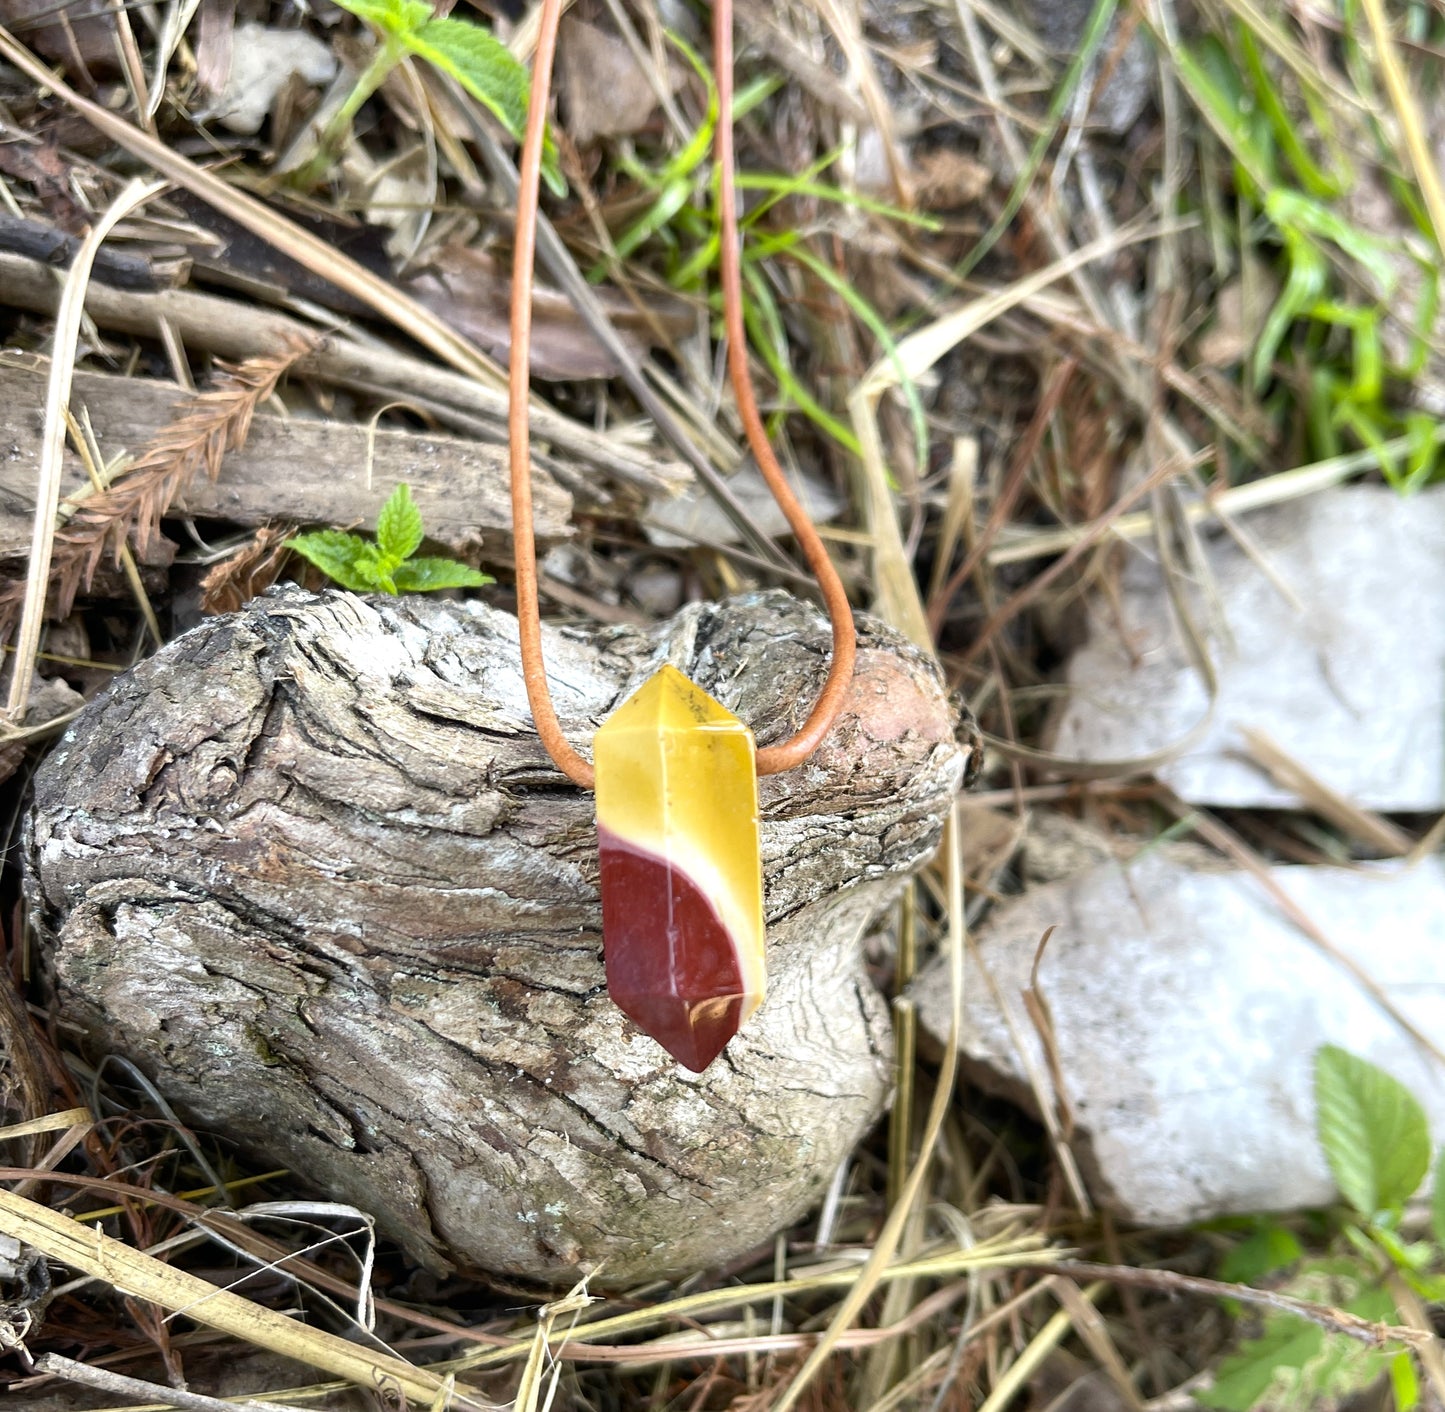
x=1335, y=1321
x=137, y=1389
x=1053, y=393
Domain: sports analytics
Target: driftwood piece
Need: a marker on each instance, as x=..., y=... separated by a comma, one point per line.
x=333, y=473
x=311, y=869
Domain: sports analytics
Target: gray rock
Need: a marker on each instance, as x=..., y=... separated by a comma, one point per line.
x=1124, y=92
x=262, y=62
x=1351, y=683
x=1187, y=1011
x=694, y=517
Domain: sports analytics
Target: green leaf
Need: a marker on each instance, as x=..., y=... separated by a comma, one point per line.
x=393, y=17
x=1437, y=1200
x=1270, y=1248
x=424, y=575
x=346, y=558
x=485, y=67
x=1404, y=1382
x=399, y=529
x=1286, y=1346
x=1373, y=1131
x=1293, y=1365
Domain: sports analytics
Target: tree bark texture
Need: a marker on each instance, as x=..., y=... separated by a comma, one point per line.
x=310, y=868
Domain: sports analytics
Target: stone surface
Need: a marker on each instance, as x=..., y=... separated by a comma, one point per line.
x=1128, y=79
x=681, y=868
x=1187, y=1012
x=1350, y=683
x=695, y=517
x=262, y=62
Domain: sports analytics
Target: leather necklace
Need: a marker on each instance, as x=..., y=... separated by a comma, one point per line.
x=675, y=772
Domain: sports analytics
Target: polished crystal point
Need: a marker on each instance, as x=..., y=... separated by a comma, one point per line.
x=682, y=888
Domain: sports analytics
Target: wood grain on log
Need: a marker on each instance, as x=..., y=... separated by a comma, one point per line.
x=310, y=867
x=315, y=472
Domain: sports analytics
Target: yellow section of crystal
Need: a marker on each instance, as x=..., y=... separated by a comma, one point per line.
x=676, y=777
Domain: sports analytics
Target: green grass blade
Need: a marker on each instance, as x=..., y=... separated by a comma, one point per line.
x=765, y=329
x=1090, y=42
x=868, y=316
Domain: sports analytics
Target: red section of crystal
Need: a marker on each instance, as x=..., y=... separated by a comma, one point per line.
x=671, y=966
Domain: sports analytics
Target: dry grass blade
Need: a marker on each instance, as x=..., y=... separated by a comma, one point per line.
x=898, y=596
x=1007, y=1251
x=60, y=1238
x=50, y=1123
x=847, y=30
x=1222, y=838
x=47, y=492
x=888, y=1237
x=1272, y=490
x=1059, y=1116
x=530, y=1388
x=1039, y=1347
x=1417, y=141
x=309, y=250
x=1362, y=824
x=210, y=424
x=1093, y=1330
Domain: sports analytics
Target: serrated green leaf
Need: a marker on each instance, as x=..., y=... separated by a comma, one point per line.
x=481, y=63
x=1437, y=1200
x=399, y=530
x=345, y=558
x=395, y=17
x=1373, y=1131
x=425, y=575
x=486, y=68
x=1293, y=1365
x=1245, y=1378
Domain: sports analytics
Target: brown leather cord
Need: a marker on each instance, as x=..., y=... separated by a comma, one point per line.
x=774, y=758
x=519, y=382
x=792, y=752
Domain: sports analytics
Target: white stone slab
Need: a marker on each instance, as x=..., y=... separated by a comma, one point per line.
x=1188, y=1011
x=1351, y=684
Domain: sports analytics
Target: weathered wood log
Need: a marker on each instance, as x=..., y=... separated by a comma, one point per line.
x=287, y=470
x=310, y=868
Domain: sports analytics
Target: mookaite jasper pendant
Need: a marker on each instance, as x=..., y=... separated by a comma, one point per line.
x=682, y=884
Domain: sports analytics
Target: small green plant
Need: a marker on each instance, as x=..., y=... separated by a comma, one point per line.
x=481, y=63
x=680, y=224
x=385, y=564
x=1351, y=327
x=1376, y=1140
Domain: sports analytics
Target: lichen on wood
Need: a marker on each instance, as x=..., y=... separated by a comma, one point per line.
x=311, y=869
